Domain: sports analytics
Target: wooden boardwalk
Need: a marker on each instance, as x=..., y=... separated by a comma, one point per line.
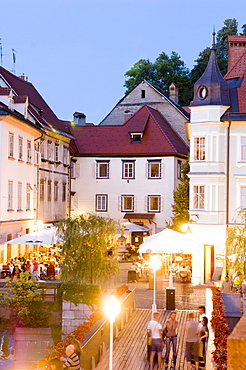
x=130, y=348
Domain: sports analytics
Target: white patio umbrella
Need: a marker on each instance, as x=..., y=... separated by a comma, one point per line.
x=168, y=241
x=41, y=237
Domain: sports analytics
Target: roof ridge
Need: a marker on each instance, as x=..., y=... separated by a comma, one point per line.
x=163, y=132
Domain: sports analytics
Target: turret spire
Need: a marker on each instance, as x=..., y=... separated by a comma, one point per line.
x=214, y=44
x=211, y=88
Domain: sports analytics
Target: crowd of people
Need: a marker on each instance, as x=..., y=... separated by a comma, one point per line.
x=181, y=270
x=163, y=338
x=40, y=268
x=234, y=284
x=71, y=361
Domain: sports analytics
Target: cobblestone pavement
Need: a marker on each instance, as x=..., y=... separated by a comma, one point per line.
x=187, y=296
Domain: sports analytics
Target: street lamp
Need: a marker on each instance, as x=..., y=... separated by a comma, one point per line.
x=155, y=263
x=111, y=309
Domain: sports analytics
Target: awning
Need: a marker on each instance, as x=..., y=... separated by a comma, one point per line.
x=139, y=216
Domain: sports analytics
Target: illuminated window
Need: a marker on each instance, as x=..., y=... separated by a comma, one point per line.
x=128, y=170
x=20, y=148
x=127, y=203
x=10, y=195
x=199, y=148
x=41, y=190
x=11, y=145
x=243, y=148
x=101, y=202
x=154, y=203
x=28, y=197
x=56, y=191
x=198, y=197
x=49, y=190
x=102, y=169
x=154, y=169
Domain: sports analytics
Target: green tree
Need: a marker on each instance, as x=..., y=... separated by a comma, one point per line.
x=25, y=298
x=166, y=70
x=141, y=70
x=230, y=28
x=84, y=252
x=236, y=244
x=181, y=200
x=161, y=73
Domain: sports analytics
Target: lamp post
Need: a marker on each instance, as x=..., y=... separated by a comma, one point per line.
x=111, y=309
x=155, y=264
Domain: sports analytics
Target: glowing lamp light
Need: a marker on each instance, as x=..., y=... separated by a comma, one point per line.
x=155, y=263
x=111, y=308
x=184, y=227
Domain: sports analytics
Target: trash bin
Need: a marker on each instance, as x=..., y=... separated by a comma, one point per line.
x=170, y=298
x=132, y=276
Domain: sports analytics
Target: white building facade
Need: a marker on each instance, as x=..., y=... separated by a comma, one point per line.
x=128, y=172
x=217, y=133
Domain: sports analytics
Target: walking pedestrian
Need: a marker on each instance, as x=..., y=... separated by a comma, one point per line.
x=155, y=332
x=191, y=341
x=203, y=340
x=202, y=312
x=226, y=285
x=171, y=338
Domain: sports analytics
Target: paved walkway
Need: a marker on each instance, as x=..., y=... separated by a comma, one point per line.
x=130, y=351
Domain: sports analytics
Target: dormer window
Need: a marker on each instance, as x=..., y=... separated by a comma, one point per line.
x=136, y=138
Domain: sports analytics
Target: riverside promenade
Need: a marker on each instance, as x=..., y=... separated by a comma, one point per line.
x=130, y=349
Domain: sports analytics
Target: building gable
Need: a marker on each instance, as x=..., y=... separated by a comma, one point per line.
x=147, y=94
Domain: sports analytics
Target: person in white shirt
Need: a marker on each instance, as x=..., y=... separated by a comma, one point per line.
x=155, y=331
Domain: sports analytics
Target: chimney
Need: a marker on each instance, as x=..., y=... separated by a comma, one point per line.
x=174, y=92
x=22, y=76
x=79, y=119
x=236, y=48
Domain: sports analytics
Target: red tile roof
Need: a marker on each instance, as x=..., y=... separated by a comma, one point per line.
x=238, y=69
x=20, y=98
x=5, y=91
x=158, y=139
x=22, y=87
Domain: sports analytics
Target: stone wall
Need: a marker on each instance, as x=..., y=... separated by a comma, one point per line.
x=73, y=315
x=236, y=346
x=30, y=346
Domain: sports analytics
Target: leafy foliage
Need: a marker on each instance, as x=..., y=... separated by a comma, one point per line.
x=236, y=244
x=161, y=73
x=25, y=299
x=84, y=252
x=181, y=200
x=166, y=70
x=81, y=293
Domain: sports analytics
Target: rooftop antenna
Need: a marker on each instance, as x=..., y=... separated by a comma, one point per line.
x=14, y=59
x=1, y=52
x=214, y=44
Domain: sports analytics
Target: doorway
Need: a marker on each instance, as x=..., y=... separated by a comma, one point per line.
x=208, y=262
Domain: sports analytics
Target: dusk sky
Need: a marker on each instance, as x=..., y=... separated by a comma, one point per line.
x=76, y=52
